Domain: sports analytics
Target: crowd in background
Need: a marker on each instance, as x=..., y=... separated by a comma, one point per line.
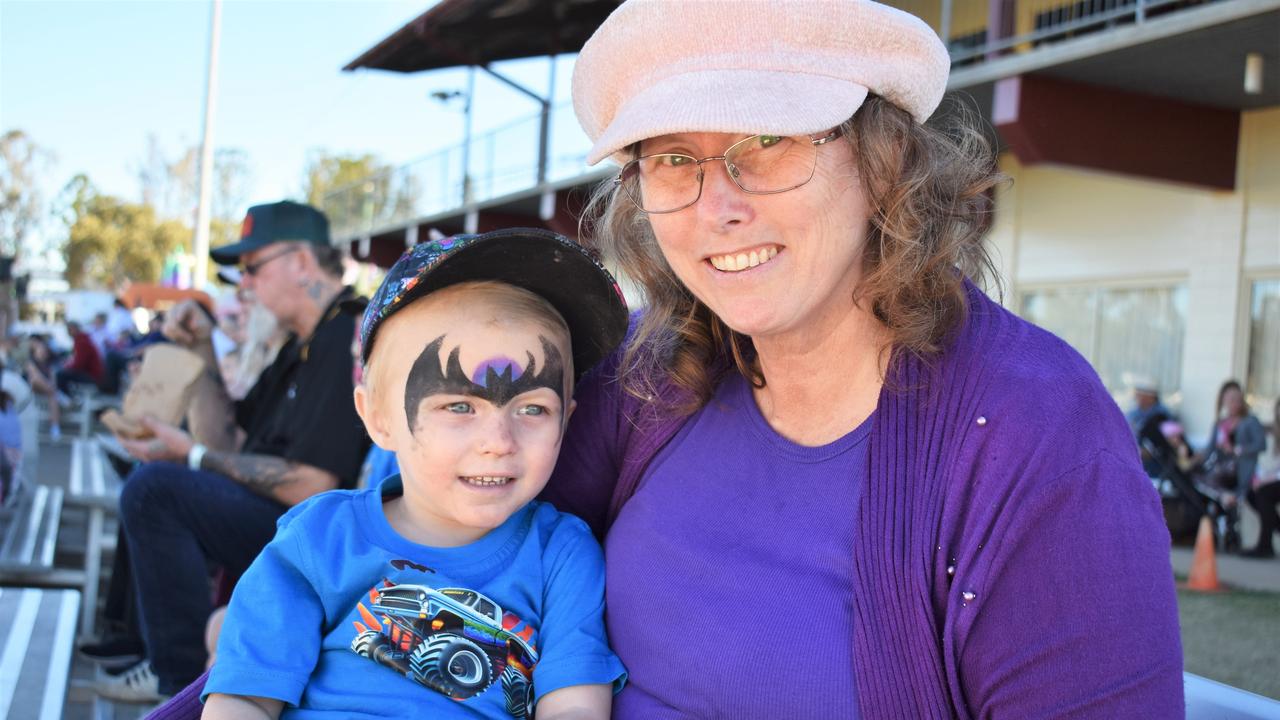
x=1238, y=464
x=47, y=369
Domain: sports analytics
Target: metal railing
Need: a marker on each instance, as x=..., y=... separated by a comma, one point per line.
x=502, y=161
x=505, y=160
x=1020, y=26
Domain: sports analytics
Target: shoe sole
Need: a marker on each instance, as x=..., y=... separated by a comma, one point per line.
x=114, y=662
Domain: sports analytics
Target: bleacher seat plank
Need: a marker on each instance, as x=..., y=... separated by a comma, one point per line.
x=92, y=482
x=37, y=634
x=31, y=532
x=95, y=486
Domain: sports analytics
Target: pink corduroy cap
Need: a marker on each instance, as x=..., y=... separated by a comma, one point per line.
x=785, y=67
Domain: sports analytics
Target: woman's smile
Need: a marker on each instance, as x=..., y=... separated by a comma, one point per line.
x=735, y=262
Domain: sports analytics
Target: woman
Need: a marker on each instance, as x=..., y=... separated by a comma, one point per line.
x=1235, y=442
x=833, y=478
x=1264, y=492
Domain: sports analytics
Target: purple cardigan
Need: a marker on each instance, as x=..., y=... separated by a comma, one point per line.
x=1012, y=558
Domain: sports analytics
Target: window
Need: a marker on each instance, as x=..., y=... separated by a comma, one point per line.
x=1264, y=348
x=1125, y=333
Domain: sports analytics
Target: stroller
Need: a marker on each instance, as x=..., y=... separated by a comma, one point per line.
x=1187, y=494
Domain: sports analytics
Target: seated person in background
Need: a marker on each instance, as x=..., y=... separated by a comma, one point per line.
x=1236, y=441
x=448, y=591
x=189, y=505
x=1264, y=495
x=1145, y=419
x=39, y=371
x=10, y=448
x=84, y=367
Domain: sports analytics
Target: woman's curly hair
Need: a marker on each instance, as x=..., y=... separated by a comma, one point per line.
x=930, y=188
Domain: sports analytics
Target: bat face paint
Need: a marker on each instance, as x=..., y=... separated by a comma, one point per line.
x=497, y=379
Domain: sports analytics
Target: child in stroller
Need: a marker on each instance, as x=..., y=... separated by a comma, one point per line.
x=1185, y=486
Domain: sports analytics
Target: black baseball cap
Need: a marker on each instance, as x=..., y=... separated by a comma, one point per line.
x=284, y=221
x=540, y=261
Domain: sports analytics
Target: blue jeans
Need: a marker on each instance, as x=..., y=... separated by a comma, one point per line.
x=177, y=522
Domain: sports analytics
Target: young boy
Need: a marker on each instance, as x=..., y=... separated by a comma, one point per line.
x=485, y=602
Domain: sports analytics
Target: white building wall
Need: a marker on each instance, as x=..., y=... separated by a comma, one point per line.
x=1060, y=226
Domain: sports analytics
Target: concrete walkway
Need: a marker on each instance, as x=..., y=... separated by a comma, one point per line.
x=1234, y=571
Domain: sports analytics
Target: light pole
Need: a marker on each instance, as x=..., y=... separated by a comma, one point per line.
x=447, y=96
x=200, y=247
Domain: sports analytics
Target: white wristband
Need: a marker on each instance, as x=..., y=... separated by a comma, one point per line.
x=195, y=455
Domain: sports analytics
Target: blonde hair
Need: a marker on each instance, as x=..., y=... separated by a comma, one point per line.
x=930, y=190
x=515, y=303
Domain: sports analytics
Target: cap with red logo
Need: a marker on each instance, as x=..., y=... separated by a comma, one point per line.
x=284, y=221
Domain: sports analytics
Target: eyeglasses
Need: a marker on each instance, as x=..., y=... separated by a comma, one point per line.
x=251, y=269
x=758, y=165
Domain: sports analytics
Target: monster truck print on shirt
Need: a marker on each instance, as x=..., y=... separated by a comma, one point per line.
x=452, y=640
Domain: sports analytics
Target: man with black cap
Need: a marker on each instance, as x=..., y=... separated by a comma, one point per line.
x=189, y=503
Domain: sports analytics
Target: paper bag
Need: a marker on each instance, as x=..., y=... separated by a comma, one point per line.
x=162, y=389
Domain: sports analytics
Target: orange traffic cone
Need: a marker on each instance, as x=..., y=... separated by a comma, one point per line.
x=1204, y=565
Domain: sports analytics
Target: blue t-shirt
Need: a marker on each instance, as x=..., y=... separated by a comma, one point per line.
x=379, y=465
x=340, y=616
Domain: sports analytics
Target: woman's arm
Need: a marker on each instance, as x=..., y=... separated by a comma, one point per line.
x=1252, y=437
x=240, y=707
x=1075, y=616
x=577, y=702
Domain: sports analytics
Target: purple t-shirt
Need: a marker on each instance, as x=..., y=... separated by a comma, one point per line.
x=721, y=510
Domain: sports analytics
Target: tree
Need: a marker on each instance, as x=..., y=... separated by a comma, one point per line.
x=230, y=194
x=357, y=192
x=111, y=241
x=171, y=186
x=21, y=205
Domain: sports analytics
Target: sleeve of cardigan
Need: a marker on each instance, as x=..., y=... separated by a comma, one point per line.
x=1077, y=616
x=590, y=455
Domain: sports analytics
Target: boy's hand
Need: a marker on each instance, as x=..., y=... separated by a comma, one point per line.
x=240, y=707
x=577, y=702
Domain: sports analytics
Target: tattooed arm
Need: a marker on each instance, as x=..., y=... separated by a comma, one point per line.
x=281, y=480
x=284, y=481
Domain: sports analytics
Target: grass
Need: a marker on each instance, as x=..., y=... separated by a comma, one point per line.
x=1233, y=637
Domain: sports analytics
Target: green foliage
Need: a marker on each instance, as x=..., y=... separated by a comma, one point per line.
x=111, y=241
x=357, y=192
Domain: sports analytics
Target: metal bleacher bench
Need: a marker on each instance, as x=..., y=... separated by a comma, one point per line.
x=1211, y=700
x=37, y=630
x=95, y=487
x=30, y=533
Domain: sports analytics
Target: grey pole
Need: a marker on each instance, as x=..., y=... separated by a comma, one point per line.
x=201, y=244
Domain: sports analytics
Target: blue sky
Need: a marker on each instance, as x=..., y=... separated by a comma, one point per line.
x=91, y=80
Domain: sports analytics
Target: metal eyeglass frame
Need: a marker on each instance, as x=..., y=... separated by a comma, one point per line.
x=630, y=169
x=251, y=269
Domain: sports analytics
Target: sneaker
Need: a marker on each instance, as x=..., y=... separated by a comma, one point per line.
x=113, y=652
x=138, y=684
